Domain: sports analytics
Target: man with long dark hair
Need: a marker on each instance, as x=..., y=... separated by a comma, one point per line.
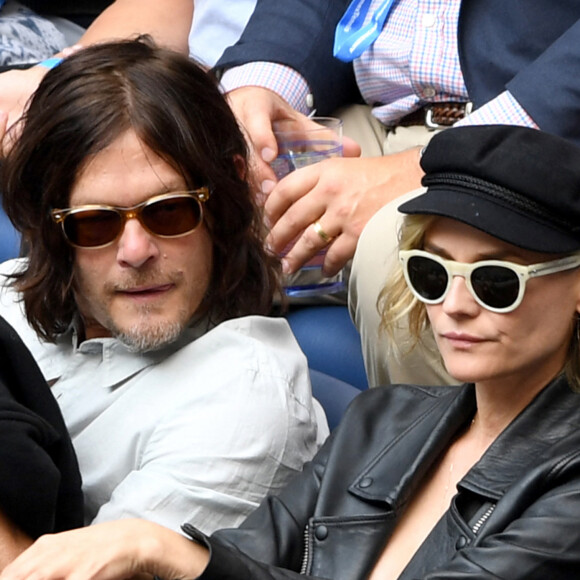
x=145, y=287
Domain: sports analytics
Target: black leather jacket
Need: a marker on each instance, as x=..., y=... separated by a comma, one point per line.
x=516, y=514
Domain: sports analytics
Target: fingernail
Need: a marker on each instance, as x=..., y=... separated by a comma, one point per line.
x=268, y=154
x=286, y=267
x=267, y=186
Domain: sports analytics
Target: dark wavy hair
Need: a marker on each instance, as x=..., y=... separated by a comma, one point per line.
x=177, y=110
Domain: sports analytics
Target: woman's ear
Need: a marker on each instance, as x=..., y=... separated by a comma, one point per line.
x=577, y=286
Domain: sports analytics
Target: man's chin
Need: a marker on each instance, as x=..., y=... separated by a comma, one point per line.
x=150, y=337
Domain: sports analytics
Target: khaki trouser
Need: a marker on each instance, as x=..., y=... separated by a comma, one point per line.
x=376, y=255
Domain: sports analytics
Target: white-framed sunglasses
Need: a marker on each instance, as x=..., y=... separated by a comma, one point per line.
x=496, y=285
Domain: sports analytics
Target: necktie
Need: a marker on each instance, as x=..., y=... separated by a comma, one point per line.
x=352, y=37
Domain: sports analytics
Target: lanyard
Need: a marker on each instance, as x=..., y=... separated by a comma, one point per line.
x=351, y=38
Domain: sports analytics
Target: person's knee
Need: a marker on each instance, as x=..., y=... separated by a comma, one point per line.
x=375, y=256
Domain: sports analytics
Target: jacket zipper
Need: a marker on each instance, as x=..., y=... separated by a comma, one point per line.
x=484, y=517
x=306, y=556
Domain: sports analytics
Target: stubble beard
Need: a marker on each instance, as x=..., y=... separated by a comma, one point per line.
x=141, y=338
x=148, y=331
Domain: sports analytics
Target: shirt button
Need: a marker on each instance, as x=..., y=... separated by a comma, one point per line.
x=321, y=533
x=461, y=542
x=365, y=482
x=429, y=20
x=429, y=92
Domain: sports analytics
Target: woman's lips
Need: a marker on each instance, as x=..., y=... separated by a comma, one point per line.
x=461, y=339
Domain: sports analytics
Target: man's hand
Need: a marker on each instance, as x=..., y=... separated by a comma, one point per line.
x=342, y=195
x=258, y=109
x=110, y=551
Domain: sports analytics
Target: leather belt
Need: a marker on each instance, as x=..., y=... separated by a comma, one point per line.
x=437, y=115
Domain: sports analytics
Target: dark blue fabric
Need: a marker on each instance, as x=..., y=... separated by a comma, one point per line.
x=40, y=482
x=299, y=34
x=330, y=341
x=532, y=48
x=9, y=239
x=333, y=394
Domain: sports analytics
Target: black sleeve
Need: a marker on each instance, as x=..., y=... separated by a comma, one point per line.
x=270, y=542
x=299, y=34
x=40, y=483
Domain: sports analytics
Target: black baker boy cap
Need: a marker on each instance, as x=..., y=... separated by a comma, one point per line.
x=518, y=184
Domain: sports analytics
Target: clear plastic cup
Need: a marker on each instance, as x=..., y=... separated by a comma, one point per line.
x=297, y=148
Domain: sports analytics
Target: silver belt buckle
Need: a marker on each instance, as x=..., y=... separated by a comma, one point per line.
x=432, y=126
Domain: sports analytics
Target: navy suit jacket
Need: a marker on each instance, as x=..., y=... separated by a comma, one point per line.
x=530, y=47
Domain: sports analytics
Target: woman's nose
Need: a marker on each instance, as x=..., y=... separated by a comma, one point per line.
x=459, y=300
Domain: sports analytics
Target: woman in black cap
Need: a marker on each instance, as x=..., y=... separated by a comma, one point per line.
x=480, y=481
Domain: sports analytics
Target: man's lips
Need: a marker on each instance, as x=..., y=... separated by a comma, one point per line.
x=148, y=290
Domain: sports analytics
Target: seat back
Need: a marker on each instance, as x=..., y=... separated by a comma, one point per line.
x=333, y=394
x=9, y=239
x=330, y=341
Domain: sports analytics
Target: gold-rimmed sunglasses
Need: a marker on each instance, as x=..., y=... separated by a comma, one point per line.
x=169, y=215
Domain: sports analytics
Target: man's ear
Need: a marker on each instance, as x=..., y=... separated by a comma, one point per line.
x=241, y=166
x=244, y=169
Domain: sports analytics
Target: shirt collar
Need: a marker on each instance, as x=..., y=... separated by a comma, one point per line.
x=115, y=360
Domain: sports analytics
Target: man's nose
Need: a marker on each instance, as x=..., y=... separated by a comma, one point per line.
x=136, y=245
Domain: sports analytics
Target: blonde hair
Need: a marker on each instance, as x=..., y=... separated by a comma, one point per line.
x=398, y=307
x=572, y=367
x=396, y=303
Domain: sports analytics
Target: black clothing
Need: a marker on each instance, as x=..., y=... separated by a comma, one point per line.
x=40, y=483
x=82, y=12
x=516, y=514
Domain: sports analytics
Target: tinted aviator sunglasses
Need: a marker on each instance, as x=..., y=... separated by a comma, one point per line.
x=496, y=285
x=169, y=215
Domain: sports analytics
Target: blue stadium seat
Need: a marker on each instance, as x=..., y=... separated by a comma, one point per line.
x=9, y=239
x=333, y=394
x=330, y=341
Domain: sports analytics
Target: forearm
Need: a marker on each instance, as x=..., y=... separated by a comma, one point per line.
x=12, y=541
x=167, y=22
x=168, y=554
x=111, y=551
x=298, y=34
